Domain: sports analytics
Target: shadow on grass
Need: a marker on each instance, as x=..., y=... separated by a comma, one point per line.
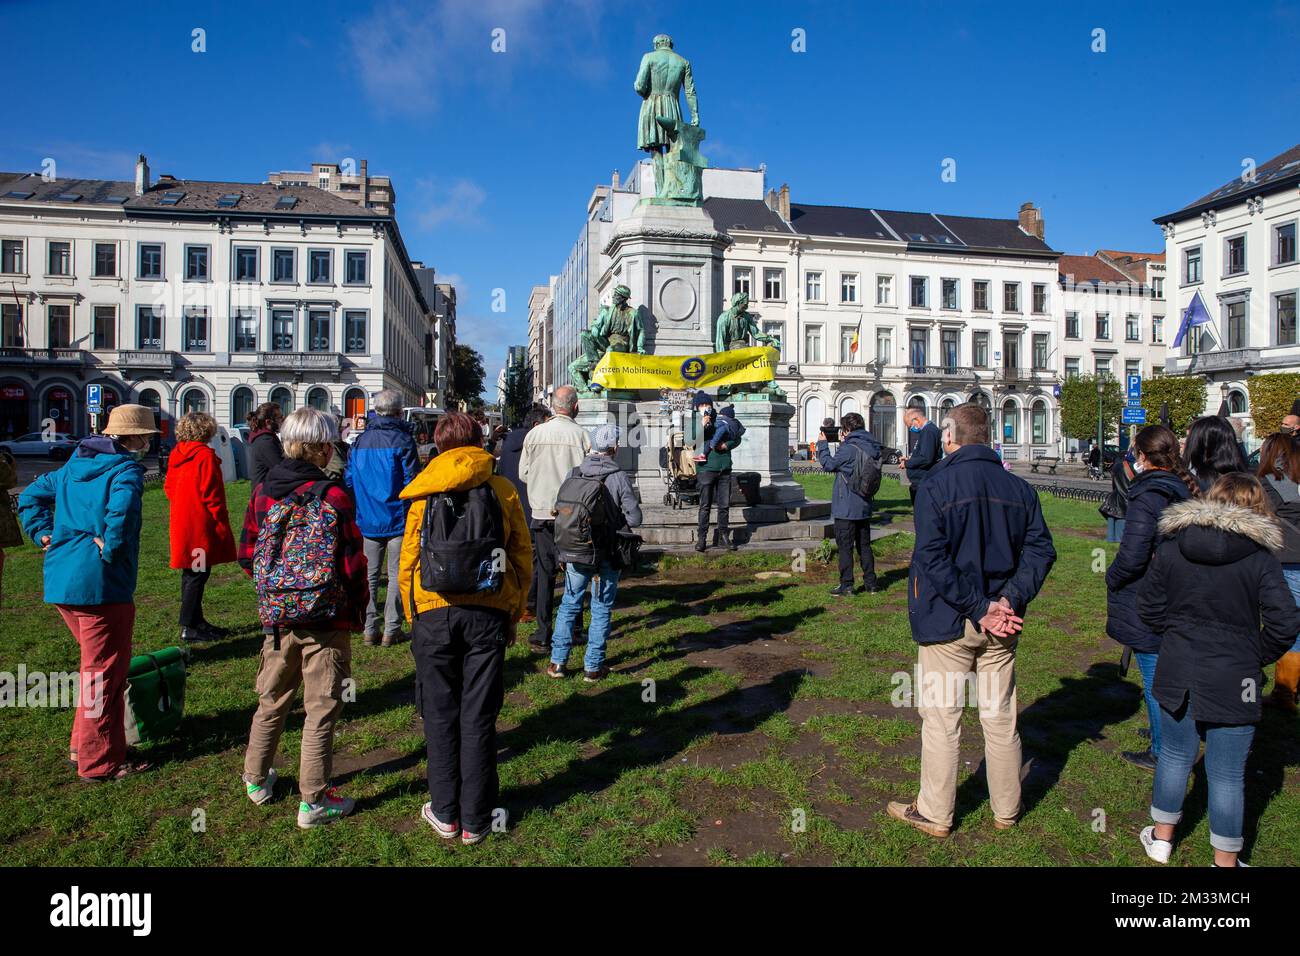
x=1053, y=726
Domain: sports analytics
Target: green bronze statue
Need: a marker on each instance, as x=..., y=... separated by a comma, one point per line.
x=733, y=330
x=617, y=328
x=673, y=145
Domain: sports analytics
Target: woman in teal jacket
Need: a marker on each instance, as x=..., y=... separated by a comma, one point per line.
x=86, y=518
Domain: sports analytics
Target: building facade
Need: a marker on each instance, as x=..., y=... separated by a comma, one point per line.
x=541, y=314
x=1236, y=246
x=186, y=295
x=375, y=193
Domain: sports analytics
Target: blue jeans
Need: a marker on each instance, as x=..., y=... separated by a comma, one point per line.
x=576, y=580
x=1292, y=574
x=1226, y=749
x=1147, y=665
x=1114, y=529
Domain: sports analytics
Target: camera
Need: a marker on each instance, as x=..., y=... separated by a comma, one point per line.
x=832, y=432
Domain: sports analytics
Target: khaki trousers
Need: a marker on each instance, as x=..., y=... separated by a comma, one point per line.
x=975, y=670
x=320, y=661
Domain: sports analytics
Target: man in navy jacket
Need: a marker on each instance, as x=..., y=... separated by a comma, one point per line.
x=925, y=454
x=849, y=510
x=383, y=462
x=982, y=553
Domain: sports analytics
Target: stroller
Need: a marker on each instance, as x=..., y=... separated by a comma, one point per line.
x=678, y=466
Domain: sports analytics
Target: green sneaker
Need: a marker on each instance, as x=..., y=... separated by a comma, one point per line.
x=328, y=810
x=261, y=793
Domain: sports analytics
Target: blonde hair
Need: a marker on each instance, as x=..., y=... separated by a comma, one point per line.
x=196, y=426
x=307, y=429
x=1240, y=489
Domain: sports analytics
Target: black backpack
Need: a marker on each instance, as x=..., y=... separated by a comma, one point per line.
x=864, y=479
x=462, y=543
x=586, y=526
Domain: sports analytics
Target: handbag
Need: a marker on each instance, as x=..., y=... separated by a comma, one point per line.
x=155, y=695
x=11, y=535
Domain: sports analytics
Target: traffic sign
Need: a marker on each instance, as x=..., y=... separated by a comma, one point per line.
x=1134, y=389
x=95, y=399
x=1135, y=416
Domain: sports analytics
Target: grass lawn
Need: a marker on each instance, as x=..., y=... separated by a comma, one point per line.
x=747, y=722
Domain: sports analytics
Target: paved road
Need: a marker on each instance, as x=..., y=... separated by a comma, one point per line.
x=29, y=469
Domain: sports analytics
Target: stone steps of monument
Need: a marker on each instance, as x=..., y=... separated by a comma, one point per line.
x=656, y=512
x=670, y=535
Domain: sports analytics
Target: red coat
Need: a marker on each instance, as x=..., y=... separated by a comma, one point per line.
x=199, y=518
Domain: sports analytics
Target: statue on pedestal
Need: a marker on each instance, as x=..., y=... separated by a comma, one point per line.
x=673, y=145
x=733, y=330
x=617, y=328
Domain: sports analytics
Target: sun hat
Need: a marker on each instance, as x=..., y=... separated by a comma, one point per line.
x=131, y=420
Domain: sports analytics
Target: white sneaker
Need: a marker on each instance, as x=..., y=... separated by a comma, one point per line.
x=332, y=808
x=1158, y=850
x=448, y=831
x=262, y=792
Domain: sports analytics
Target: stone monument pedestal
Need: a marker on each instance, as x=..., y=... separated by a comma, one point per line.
x=783, y=513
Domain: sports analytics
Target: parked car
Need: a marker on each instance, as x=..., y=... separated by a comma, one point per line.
x=890, y=456
x=38, y=445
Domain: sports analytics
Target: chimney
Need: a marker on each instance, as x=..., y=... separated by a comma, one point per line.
x=365, y=185
x=141, y=175
x=784, y=202
x=614, y=181
x=1031, y=219
x=770, y=199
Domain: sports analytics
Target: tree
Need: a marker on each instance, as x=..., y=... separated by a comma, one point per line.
x=1079, y=407
x=518, y=393
x=467, y=376
x=1271, y=399
x=1185, y=395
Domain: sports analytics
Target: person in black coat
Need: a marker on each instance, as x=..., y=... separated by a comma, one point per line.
x=1216, y=595
x=925, y=454
x=512, y=449
x=850, y=512
x=1212, y=450
x=1115, y=505
x=1161, y=481
x=264, y=451
x=1279, y=472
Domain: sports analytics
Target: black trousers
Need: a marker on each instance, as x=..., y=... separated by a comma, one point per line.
x=853, y=536
x=532, y=582
x=911, y=492
x=192, y=585
x=545, y=563
x=460, y=653
x=714, y=486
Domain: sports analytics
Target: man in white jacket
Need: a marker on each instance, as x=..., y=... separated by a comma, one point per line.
x=551, y=451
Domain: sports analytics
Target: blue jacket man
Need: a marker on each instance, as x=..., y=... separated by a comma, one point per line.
x=383, y=461
x=850, y=512
x=982, y=553
x=925, y=454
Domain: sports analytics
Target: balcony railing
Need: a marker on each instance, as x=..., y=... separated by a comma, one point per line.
x=300, y=363
x=1025, y=376
x=19, y=356
x=942, y=373
x=1224, y=360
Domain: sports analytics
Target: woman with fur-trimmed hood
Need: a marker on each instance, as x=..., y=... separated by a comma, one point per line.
x=1216, y=594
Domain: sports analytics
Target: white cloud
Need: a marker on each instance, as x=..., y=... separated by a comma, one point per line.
x=456, y=201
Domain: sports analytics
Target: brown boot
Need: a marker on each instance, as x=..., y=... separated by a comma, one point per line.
x=1285, y=679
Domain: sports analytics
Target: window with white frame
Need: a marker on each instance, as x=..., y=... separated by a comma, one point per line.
x=1157, y=329
x=1011, y=297
x=105, y=261
x=1132, y=327
x=812, y=344
x=1072, y=325
x=59, y=258
x=1040, y=352
x=1234, y=255
x=849, y=287
x=774, y=284
x=846, y=344
x=150, y=261
x=812, y=286
x=1191, y=265
x=246, y=263
x=196, y=329
x=919, y=292
x=884, y=290
x=356, y=332
x=104, y=330
x=1132, y=367
x=320, y=266
x=196, y=263
x=948, y=294
x=1284, y=318
x=284, y=266
x=742, y=281
x=777, y=331
x=356, y=267
x=319, y=332
x=980, y=349
x=1284, y=250
x=1235, y=324
x=885, y=346
x=1102, y=366
x=149, y=328
x=11, y=256
x=1158, y=288
x=60, y=326
x=1103, y=326
x=1071, y=368
x=980, y=295
x=282, y=330
x=11, y=325
x=1040, y=298
x=245, y=330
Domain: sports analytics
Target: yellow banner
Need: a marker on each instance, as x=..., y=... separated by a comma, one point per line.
x=629, y=370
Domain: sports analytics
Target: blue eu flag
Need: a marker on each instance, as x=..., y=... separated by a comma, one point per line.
x=1195, y=314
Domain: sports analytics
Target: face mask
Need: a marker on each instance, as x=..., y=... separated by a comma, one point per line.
x=1138, y=467
x=914, y=428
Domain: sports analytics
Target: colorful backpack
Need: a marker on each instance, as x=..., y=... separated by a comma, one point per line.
x=294, y=566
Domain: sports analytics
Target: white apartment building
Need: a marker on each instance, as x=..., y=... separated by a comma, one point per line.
x=186, y=295
x=944, y=309
x=1237, y=247
x=541, y=305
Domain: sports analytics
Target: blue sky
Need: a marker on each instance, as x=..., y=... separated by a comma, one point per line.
x=494, y=155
